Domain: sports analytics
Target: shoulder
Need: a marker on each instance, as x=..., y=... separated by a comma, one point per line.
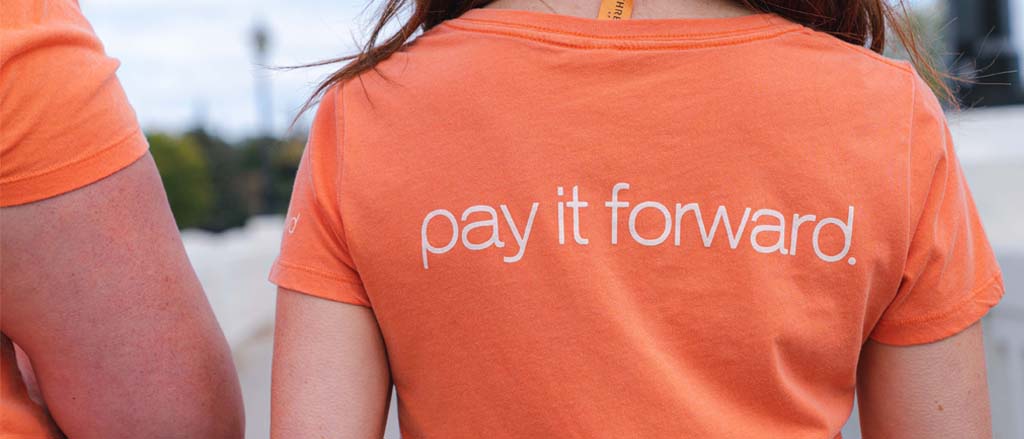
x=439, y=63
x=873, y=90
x=67, y=121
x=41, y=36
x=853, y=77
x=832, y=54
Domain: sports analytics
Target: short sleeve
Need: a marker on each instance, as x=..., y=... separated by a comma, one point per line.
x=951, y=278
x=314, y=257
x=65, y=121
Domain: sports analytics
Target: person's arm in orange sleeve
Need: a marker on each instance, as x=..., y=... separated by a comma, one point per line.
x=98, y=291
x=922, y=372
x=331, y=377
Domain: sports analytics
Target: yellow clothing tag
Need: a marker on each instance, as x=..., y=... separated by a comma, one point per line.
x=615, y=10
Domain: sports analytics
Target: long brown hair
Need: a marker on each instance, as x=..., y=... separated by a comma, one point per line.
x=866, y=23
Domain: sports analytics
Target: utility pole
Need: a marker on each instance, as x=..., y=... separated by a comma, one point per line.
x=984, y=53
x=264, y=111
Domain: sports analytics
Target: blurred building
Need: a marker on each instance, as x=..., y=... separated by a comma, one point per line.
x=982, y=50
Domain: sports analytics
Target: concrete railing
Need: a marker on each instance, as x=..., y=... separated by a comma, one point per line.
x=1004, y=350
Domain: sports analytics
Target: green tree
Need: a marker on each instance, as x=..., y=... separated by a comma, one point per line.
x=233, y=185
x=186, y=177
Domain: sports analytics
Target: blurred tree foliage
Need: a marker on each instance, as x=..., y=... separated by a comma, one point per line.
x=216, y=185
x=929, y=23
x=186, y=177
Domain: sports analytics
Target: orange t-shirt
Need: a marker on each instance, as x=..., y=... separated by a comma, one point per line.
x=64, y=119
x=649, y=228
x=64, y=123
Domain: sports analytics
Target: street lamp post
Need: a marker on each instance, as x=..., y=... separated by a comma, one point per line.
x=264, y=111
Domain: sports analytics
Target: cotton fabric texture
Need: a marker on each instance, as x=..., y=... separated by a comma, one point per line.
x=64, y=119
x=657, y=228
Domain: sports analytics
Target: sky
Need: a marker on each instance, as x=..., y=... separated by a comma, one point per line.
x=189, y=62
x=186, y=62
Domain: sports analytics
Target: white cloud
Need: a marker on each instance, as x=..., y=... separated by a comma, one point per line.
x=182, y=59
x=188, y=59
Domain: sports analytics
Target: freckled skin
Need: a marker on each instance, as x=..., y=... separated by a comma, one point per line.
x=329, y=358
x=905, y=391
x=99, y=293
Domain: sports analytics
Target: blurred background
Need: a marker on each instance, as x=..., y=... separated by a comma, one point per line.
x=218, y=124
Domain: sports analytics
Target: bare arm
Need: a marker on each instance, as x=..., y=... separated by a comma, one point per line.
x=330, y=377
x=934, y=391
x=98, y=291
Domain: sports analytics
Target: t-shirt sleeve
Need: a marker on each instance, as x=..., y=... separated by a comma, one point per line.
x=951, y=277
x=65, y=121
x=315, y=257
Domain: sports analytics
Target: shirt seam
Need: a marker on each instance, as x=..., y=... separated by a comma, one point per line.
x=909, y=239
x=322, y=273
x=611, y=46
x=859, y=50
x=332, y=192
x=340, y=132
x=622, y=37
x=62, y=166
x=985, y=286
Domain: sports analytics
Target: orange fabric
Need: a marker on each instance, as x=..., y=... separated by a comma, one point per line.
x=569, y=227
x=64, y=119
x=64, y=123
x=20, y=417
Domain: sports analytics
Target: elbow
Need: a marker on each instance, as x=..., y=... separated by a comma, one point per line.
x=212, y=407
x=226, y=417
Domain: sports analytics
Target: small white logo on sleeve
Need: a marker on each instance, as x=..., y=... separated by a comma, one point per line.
x=293, y=222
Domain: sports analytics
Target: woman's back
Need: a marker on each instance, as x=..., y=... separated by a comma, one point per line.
x=646, y=228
